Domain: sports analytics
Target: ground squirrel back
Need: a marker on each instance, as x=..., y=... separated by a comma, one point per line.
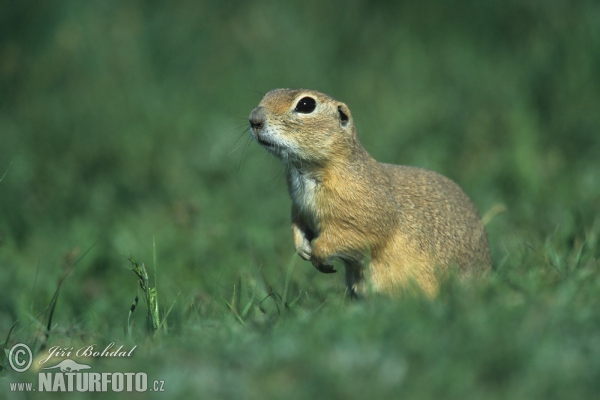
x=415, y=224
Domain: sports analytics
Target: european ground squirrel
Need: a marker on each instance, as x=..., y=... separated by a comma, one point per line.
x=415, y=224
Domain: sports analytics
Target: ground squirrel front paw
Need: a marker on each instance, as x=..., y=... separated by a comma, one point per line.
x=301, y=242
x=324, y=268
x=320, y=256
x=304, y=250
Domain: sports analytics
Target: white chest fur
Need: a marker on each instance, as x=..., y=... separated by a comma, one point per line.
x=303, y=189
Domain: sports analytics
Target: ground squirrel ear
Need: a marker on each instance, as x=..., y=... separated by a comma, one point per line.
x=343, y=116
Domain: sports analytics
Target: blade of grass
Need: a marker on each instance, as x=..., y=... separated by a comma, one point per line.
x=164, y=320
x=5, y=172
x=52, y=305
x=155, y=309
x=210, y=303
x=3, y=351
x=232, y=307
x=288, y=276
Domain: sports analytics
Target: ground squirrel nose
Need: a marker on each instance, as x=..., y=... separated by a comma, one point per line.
x=257, y=118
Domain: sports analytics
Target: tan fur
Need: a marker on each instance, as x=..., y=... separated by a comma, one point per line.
x=415, y=224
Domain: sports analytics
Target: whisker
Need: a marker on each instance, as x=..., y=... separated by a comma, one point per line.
x=237, y=141
x=242, y=158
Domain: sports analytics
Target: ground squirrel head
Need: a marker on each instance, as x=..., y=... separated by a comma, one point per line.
x=304, y=127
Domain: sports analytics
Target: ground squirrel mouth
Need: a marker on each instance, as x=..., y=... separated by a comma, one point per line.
x=264, y=142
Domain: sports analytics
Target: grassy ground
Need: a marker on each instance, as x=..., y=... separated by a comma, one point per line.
x=123, y=134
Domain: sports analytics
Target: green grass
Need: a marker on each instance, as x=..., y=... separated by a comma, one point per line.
x=123, y=133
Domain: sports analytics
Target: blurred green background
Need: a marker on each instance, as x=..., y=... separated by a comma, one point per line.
x=125, y=122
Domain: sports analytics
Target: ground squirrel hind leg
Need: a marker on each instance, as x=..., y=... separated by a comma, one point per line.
x=355, y=278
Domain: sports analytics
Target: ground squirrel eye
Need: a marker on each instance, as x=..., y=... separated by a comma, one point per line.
x=343, y=116
x=306, y=105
